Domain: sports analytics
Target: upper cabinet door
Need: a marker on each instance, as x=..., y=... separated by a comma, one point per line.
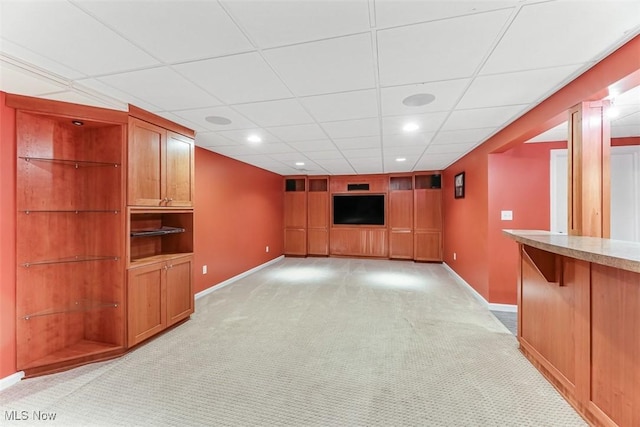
x=161, y=166
x=179, y=170
x=147, y=148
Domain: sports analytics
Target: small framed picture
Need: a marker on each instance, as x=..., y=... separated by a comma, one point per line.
x=458, y=185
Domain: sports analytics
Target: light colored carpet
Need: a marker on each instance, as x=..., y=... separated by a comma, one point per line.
x=314, y=342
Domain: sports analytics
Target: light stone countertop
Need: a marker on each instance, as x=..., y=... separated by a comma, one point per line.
x=614, y=253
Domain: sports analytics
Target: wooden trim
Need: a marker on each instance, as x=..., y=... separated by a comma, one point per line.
x=66, y=109
x=146, y=116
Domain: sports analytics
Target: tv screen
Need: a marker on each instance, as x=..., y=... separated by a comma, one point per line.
x=360, y=209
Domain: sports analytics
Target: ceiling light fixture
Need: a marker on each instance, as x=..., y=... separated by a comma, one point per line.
x=418, y=99
x=218, y=120
x=77, y=123
x=254, y=138
x=401, y=159
x=410, y=127
x=299, y=163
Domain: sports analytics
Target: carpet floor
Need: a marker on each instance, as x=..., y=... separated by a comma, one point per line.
x=313, y=342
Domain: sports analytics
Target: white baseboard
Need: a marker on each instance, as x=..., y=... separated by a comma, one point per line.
x=12, y=379
x=491, y=306
x=221, y=285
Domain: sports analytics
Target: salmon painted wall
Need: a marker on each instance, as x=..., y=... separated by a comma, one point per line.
x=527, y=196
x=238, y=212
x=8, y=240
x=466, y=221
x=465, y=231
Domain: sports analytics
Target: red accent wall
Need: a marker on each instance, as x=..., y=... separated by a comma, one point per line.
x=8, y=240
x=519, y=182
x=238, y=212
x=466, y=221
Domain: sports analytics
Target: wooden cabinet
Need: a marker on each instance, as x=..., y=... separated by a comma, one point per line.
x=70, y=234
x=161, y=166
x=427, y=219
x=318, y=216
x=366, y=242
x=160, y=225
x=295, y=216
x=401, y=217
x=159, y=295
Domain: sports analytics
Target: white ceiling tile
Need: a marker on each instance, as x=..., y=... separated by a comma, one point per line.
x=77, y=98
x=427, y=122
x=436, y=161
x=562, y=32
x=296, y=133
x=273, y=148
x=359, y=142
x=441, y=50
x=368, y=166
x=408, y=152
x=359, y=104
x=22, y=82
x=446, y=95
x=482, y=117
x=558, y=133
x=181, y=120
x=31, y=60
x=352, y=128
x=523, y=87
x=450, y=148
x=276, y=23
x=630, y=97
x=336, y=166
x=80, y=42
x=421, y=139
x=152, y=26
x=199, y=115
x=628, y=116
x=392, y=166
x=401, y=12
x=324, y=155
x=275, y=113
x=287, y=158
x=176, y=92
x=212, y=139
x=334, y=65
x=363, y=152
x=316, y=145
x=100, y=87
x=625, y=131
x=462, y=136
x=233, y=150
x=236, y=79
x=240, y=135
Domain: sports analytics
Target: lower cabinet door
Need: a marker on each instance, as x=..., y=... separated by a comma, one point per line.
x=146, y=313
x=179, y=289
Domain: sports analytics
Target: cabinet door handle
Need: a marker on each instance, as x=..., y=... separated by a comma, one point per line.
x=170, y=199
x=170, y=266
x=165, y=267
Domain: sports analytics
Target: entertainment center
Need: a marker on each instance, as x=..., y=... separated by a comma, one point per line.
x=395, y=216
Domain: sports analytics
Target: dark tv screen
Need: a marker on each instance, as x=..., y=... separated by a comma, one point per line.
x=360, y=209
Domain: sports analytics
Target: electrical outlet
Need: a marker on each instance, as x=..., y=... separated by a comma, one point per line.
x=454, y=256
x=266, y=249
x=204, y=269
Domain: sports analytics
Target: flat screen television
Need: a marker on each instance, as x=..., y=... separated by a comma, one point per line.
x=358, y=209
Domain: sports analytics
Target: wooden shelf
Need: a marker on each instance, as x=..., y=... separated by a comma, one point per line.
x=162, y=231
x=78, y=258
x=83, y=348
x=139, y=262
x=69, y=162
x=75, y=211
x=78, y=306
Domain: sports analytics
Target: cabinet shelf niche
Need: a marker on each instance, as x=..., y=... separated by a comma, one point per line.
x=84, y=348
x=164, y=230
x=77, y=306
x=154, y=234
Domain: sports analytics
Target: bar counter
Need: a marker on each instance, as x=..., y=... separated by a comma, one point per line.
x=579, y=320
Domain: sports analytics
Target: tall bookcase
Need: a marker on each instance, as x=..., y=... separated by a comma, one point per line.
x=70, y=234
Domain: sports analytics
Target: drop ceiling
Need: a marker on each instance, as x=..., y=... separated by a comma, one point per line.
x=320, y=81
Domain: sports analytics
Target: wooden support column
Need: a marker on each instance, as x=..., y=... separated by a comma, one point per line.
x=589, y=176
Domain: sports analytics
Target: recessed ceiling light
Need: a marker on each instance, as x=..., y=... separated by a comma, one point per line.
x=401, y=159
x=410, y=127
x=299, y=163
x=418, y=100
x=218, y=120
x=254, y=138
x=77, y=123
